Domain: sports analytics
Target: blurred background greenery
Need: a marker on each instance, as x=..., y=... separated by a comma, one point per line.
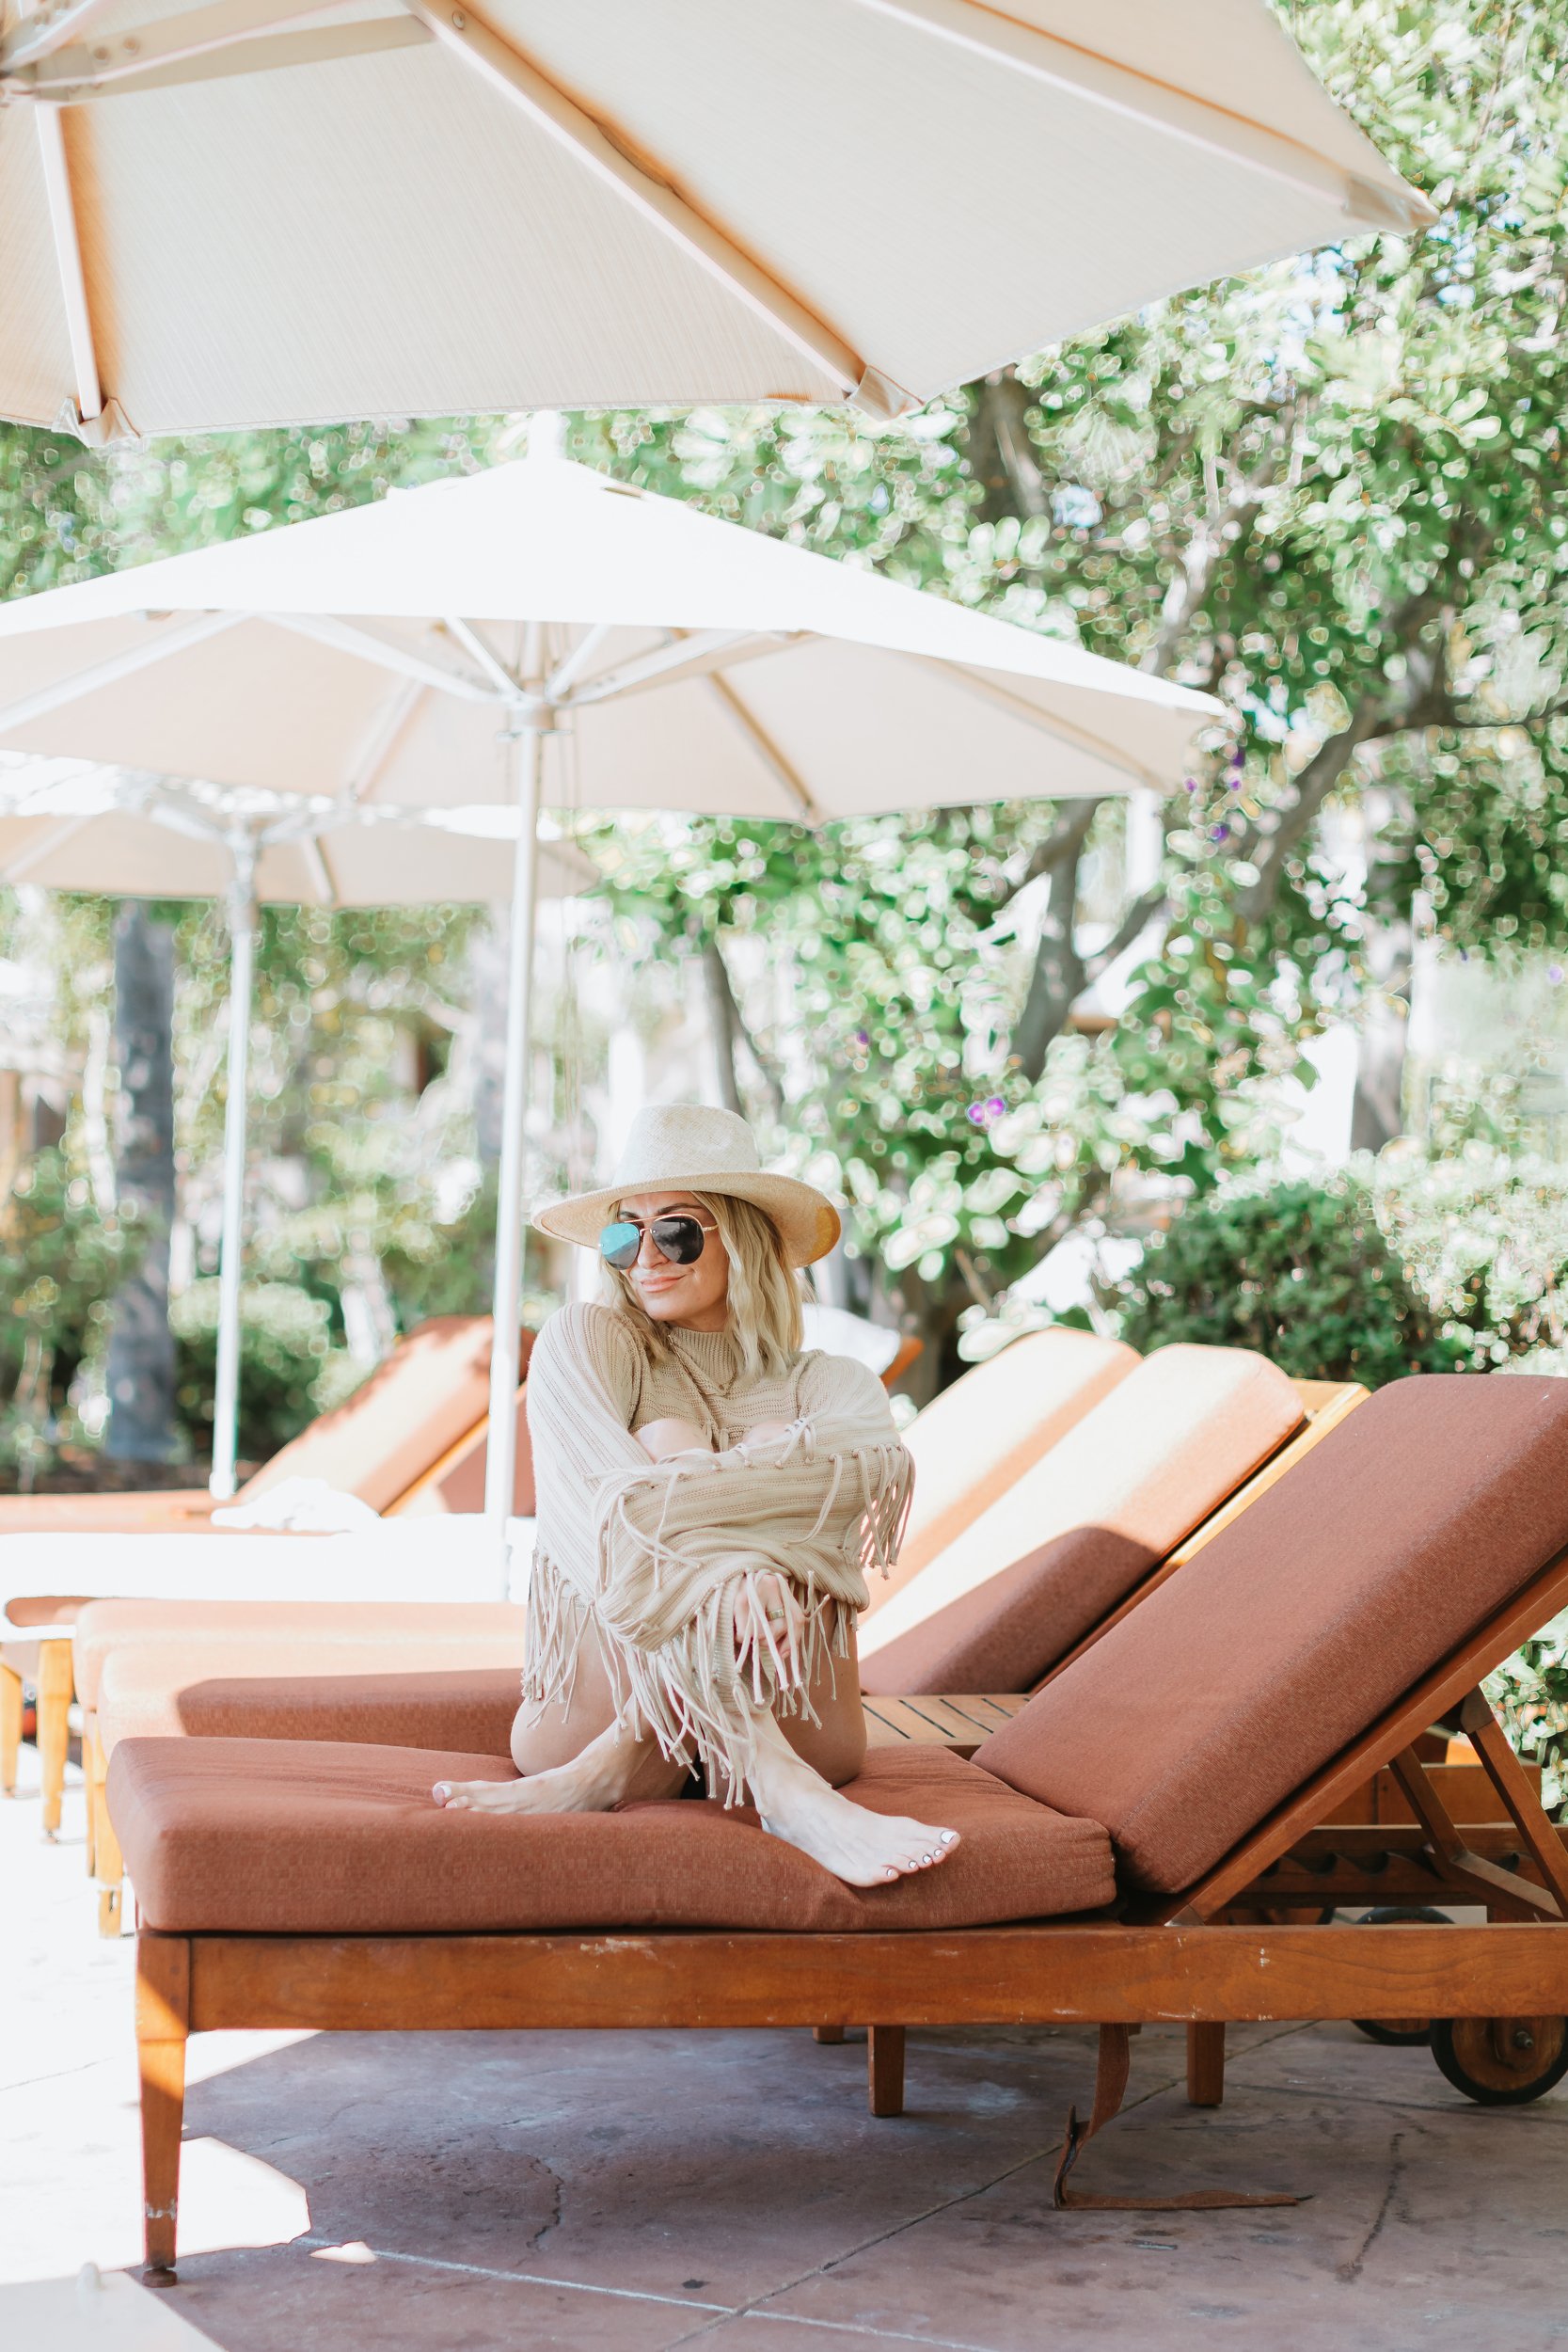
x=1063, y=1059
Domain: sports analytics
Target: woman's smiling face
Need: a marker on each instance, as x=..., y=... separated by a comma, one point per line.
x=694, y=1296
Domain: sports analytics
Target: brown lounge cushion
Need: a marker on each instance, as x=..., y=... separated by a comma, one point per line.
x=276, y=1695
x=1298, y=1625
x=258, y=1837
x=293, y=1637
x=1074, y=1534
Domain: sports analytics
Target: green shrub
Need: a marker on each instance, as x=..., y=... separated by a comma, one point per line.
x=63, y=1263
x=1299, y=1271
x=285, y=1347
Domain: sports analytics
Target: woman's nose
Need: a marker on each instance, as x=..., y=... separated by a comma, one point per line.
x=647, y=1254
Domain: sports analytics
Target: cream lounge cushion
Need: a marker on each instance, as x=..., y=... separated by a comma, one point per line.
x=171, y=1643
x=971, y=1442
x=1074, y=1534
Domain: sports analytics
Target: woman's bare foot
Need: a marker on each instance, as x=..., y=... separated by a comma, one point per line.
x=608, y=1772
x=861, y=1848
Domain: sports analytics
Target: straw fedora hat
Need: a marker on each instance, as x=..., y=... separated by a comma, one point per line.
x=681, y=1147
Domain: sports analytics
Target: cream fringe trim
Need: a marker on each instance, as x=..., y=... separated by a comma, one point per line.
x=678, y=1676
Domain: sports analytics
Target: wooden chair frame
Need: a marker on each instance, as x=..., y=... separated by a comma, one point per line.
x=55, y=1690
x=1184, y=1957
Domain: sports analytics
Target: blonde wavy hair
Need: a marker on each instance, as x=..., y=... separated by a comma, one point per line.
x=764, y=1297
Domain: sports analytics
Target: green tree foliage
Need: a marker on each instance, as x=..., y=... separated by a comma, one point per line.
x=1301, y=1272
x=1332, y=491
x=66, y=1260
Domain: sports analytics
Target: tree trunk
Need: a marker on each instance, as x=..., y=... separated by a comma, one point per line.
x=722, y=1024
x=141, y=1345
x=1001, y=452
x=1059, y=973
x=1377, y=1112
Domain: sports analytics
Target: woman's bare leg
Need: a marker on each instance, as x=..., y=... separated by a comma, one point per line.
x=865, y=1849
x=572, y=1762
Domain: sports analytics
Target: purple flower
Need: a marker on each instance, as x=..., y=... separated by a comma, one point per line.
x=1219, y=833
x=1191, y=785
x=977, y=1114
x=996, y=1106
x=1554, y=974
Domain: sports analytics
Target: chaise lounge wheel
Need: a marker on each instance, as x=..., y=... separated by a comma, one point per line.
x=1501, y=2061
x=1405, y=2033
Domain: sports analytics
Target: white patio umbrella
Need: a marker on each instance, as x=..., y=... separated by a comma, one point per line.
x=68, y=825
x=261, y=212
x=626, y=651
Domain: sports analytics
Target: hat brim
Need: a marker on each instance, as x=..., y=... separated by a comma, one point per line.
x=808, y=1223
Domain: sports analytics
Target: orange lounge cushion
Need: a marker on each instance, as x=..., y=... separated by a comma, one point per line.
x=279, y=1637
x=415, y=1406
x=262, y=1837
x=273, y=1696
x=1299, y=1625
x=1074, y=1534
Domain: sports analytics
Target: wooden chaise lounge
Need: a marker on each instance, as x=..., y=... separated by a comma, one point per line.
x=409, y=1441
x=1065, y=1543
x=1118, y=1505
x=1112, y=1850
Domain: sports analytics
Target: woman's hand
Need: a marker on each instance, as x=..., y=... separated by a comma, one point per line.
x=661, y=1441
x=768, y=1433
x=769, y=1623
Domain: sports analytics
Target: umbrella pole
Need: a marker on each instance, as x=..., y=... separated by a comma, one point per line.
x=526, y=744
x=241, y=934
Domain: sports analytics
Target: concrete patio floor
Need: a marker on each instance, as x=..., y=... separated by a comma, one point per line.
x=586, y=2193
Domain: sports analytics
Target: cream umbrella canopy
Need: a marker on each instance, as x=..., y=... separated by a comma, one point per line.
x=263, y=211
x=68, y=825
x=626, y=651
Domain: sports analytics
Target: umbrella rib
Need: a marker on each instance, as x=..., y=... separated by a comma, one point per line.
x=567, y=671
x=41, y=34
x=68, y=262
x=255, y=34
x=637, y=181
x=140, y=657
x=495, y=669
x=314, y=849
x=344, y=638
x=383, y=740
x=17, y=869
x=764, y=747
x=696, y=654
x=1005, y=39
x=1081, y=739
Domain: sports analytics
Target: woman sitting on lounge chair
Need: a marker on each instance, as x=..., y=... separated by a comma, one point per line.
x=710, y=1500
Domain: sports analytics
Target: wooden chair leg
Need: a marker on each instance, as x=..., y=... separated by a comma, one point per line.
x=1205, y=2065
x=826, y=2033
x=95, y=1767
x=56, y=1691
x=109, y=1870
x=11, y=1726
x=163, y=2026
x=884, y=2069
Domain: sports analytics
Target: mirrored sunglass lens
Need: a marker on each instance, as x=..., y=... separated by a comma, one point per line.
x=679, y=1239
x=618, y=1245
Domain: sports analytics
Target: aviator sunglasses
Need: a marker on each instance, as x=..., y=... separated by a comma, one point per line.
x=681, y=1239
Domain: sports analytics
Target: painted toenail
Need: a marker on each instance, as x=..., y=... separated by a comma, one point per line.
x=949, y=1836
x=441, y=1792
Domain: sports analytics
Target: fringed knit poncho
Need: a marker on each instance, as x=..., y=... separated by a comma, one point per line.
x=657, y=1553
